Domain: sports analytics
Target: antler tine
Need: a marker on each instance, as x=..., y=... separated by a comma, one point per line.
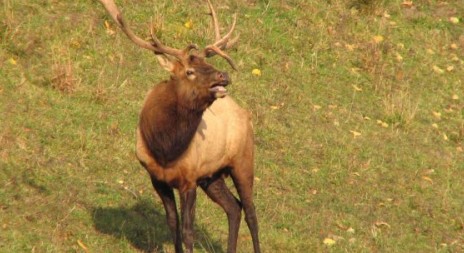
x=157, y=46
x=215, y=21
x=213, y=50
x=220, y=44
x=232, y=42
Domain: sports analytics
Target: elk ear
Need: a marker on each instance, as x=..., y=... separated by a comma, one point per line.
x=165, y=62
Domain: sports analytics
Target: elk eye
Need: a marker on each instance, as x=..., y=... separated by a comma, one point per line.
x=192, y=58
x=190, y=72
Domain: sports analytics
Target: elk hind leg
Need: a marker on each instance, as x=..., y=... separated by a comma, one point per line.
x=217, y=190
x=242, y=175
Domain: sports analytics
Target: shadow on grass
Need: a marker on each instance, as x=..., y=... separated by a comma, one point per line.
x=144, y=226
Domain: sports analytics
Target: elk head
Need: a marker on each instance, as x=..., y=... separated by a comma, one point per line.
x=187, y=66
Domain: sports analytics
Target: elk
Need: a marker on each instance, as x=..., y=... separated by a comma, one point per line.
x=191, y=134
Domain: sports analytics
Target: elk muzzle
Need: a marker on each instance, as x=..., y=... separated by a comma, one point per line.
x=218, y=89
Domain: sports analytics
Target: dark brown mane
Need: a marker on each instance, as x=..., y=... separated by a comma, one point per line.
x=169, y=120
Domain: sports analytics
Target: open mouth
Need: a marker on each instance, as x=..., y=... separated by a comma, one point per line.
x=218, y=89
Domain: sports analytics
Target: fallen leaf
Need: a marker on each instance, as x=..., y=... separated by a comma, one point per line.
x=349, y=47
x=454, y=46
x=82, y=245
x=341, y=226
x=450, y=68
x=75, y=43
x=449, y=110
x=454, y=20
x=454, y=57
x=437, y=114
x=21, y=144
x=107, y=24
x=356, y=88
x=256, y=72
x=430, y=51
x=434, y=125
x=355, y=134
x=382, y=223
x=188, y=24
x=445, y=137
x=275, y=107
x=455, y=97
x=381, y=123
x=429, y=172
x=109, y=30
x=399, y=58
x=407, y=4
x=428, y=179
x=350, y=230
x=377, y=39
x=12, y=61
x=437, y=69
x=329, y=241
x=355, y=70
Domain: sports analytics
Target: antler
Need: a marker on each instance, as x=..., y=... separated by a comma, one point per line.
x=156, y=46
x=221, y=43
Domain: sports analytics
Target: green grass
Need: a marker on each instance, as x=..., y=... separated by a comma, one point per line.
x=358, y=115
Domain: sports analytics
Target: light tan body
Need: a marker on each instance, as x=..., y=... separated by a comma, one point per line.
x=224, y=134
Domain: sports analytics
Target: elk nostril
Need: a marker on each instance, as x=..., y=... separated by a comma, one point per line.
x=223, y=76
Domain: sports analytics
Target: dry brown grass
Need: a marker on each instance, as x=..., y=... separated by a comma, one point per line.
x=64, y=79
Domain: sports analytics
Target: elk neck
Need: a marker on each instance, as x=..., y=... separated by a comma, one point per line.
x=170, y=118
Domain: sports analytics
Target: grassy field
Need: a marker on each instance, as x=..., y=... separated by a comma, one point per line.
x=358, y=114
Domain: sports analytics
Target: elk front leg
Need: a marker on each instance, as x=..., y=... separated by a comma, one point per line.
x=167, y=196
x=187, y=207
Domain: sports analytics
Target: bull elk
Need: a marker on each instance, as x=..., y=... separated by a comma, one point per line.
x=190, y=134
